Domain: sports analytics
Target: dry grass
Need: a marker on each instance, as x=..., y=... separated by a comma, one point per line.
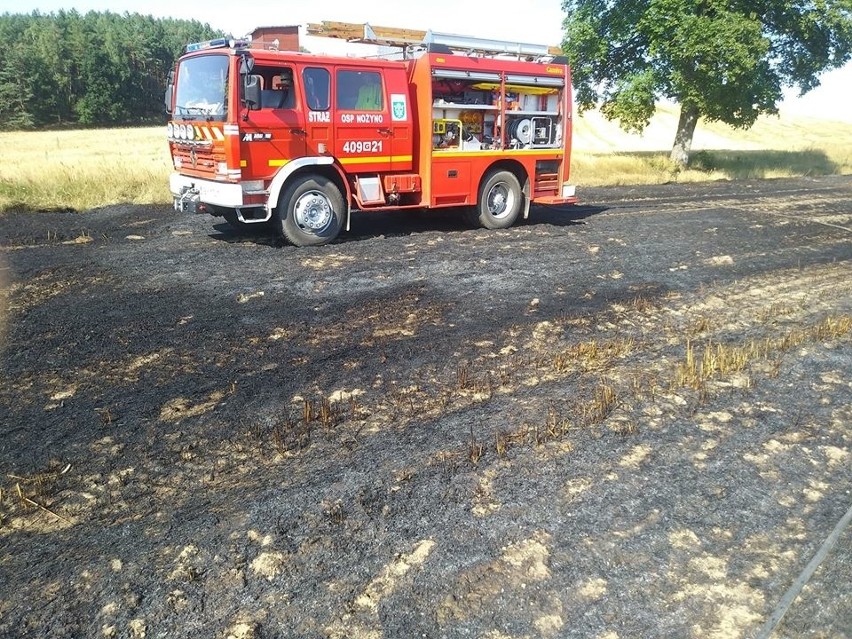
x=84, y=169
x=646, y=167
x=609, y=384
x=592, y=355
x=89, y=168
x=603, y=402
x=32, y=492
x=784, y=146
x=719, y=361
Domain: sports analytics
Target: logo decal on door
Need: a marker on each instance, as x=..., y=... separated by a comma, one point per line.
x=399, y=107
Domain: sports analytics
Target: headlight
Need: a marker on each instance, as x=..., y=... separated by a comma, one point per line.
x=170, y=130
x=182, y=131
x=190, y=132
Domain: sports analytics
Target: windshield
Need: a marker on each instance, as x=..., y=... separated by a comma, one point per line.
x=202, y=88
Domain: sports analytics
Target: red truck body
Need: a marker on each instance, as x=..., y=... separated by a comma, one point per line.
x=299, y=141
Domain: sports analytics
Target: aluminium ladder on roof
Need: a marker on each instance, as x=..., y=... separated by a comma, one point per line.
x=391, y=36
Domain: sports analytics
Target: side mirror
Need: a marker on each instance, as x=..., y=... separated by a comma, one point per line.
x=170, y=92
x=251, y=92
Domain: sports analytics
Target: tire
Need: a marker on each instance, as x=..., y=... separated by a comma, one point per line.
x=470, y=215
x=310, y=211
x=500, y=200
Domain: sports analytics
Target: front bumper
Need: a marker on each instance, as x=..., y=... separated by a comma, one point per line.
x=190, y=192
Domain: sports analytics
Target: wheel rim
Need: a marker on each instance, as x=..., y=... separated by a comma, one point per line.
x=313, y=212
x=500, y=200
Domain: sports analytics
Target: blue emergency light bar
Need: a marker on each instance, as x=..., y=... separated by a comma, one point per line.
x=216, y=44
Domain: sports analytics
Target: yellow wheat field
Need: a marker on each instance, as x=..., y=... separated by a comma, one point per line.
x=83, y=169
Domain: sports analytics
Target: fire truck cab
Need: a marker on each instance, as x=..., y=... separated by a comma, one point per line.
x=298, y=141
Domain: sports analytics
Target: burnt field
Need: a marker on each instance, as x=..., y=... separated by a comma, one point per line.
x=630, y=418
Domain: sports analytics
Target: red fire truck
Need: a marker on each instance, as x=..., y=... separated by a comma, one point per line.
x=299, y=141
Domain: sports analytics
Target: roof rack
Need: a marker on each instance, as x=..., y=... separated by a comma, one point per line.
x=487, y=45
x=366, y=34
x=404, y=38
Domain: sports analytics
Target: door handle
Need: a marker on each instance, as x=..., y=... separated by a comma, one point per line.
x=385, y=131
x=298, y=131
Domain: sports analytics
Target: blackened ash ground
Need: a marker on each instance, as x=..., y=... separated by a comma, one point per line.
x=425, y=430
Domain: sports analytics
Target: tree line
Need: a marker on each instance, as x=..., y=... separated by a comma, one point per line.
x=96, y=68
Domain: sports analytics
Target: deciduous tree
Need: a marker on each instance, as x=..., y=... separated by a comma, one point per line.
x=722, y=60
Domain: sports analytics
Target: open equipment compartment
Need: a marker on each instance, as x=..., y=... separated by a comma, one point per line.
x=469, y=108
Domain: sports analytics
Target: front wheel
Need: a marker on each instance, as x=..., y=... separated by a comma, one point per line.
x=500, y=200
x=310, y=212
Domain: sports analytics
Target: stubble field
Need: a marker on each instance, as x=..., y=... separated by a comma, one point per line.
x=628, y=418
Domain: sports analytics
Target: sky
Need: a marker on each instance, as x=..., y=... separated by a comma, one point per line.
x=530, y=21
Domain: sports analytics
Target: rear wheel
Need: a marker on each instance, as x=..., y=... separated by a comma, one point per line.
x=310, y=212
x=500, y=200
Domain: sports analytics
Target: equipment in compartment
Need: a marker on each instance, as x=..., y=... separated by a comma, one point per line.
x=532, y=132
x=446, y=133
x=520, y=132
x=496, y=112
x=543, y=131
x=450, y=133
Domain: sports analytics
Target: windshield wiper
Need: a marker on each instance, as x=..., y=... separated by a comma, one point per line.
x=190, y=110
x=209, y=112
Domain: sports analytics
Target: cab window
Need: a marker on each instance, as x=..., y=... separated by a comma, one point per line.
x=317, y=84
x=359, y=91
x=277, y=90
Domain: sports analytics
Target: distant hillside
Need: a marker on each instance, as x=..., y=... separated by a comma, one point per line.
x=592, y=132
x=776, y=146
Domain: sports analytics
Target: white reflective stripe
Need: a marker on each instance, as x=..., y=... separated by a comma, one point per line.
x=218, y=133
x=232, y=129
x=287, y=170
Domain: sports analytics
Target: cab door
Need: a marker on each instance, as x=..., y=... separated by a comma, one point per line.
x=274, y=134
x=363, y=141
x=316, y=83
x=402, y=143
